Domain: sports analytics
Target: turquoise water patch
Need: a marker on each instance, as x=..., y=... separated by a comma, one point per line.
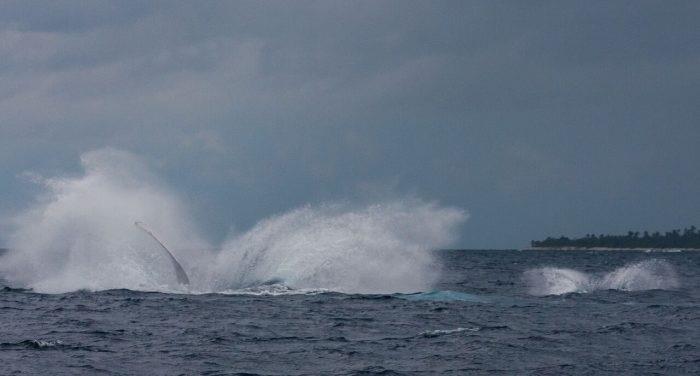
x=445, y=296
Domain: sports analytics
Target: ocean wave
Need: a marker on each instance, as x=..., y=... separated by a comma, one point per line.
x=45, y=344
x=38, y=344
x=440, y=332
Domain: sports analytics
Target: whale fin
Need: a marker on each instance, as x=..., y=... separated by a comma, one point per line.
x=179, y=271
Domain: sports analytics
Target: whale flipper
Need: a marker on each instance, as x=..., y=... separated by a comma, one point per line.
x=179, y=271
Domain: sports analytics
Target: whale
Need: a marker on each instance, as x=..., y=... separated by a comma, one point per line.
x=182, y=277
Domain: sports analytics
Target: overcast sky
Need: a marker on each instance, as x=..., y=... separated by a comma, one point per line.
x=538, y=118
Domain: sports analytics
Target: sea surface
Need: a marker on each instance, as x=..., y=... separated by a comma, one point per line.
x=492, y=312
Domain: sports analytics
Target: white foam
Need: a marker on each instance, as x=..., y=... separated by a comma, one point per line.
x=644, y=275
x=276, y=289
x=379, y=248
x=556, y=281
x=439, y=332
x=38, y=343
x=77, y=235
x=80, y=235
x=651, y=274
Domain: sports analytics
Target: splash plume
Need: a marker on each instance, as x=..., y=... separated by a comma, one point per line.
x=80, y=234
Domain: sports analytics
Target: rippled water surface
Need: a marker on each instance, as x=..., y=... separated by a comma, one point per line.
x=496, y=312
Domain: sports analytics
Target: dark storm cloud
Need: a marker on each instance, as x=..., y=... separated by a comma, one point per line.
x=539, y=118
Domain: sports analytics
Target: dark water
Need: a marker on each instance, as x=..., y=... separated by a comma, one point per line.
x=481, y=319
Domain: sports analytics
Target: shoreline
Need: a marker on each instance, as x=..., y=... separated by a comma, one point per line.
x=644, y=249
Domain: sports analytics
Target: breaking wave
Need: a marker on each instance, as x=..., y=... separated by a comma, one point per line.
x=36, y=344
x=80, y=235
x=441, y=332
x=644, y=275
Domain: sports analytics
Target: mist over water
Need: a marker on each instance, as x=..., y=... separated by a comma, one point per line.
x=80, y=234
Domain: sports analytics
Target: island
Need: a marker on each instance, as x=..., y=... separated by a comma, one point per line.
x=688, y=238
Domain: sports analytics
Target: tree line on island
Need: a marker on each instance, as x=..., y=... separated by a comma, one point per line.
x=686, y=238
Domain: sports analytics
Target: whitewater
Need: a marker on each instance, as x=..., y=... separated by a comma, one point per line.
x=642, y=275
x=80, y=235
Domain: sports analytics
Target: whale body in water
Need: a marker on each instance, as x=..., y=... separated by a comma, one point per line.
x=179, y=271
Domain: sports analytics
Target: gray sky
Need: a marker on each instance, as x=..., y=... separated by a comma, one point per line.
x=538, y=118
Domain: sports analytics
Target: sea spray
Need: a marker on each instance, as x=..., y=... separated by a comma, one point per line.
x=555, y=281
x=378, y=248
x=644, y=275
x=638, y=276
x=80, y=235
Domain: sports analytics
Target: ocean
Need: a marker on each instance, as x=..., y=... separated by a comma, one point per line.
x=487, y=312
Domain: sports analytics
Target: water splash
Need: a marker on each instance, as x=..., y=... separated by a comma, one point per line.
x=644, y=275
x=654, y=274
x=274, y=289
x=556, y=281
x=379, y=248
x=76, y=236
x=80, y=235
